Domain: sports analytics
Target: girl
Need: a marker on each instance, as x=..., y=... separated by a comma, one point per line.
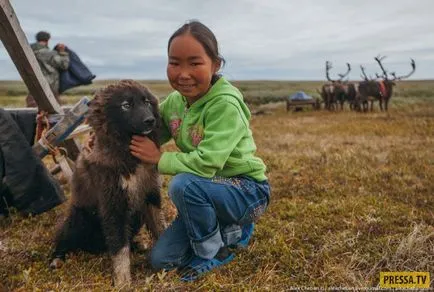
x=219, y=186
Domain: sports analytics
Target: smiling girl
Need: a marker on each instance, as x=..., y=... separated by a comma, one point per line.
x=219, y=186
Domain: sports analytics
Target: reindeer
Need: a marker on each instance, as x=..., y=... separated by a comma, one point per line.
x=346, y=91
x=331, y=92
x=361, y=100
x=381, y=90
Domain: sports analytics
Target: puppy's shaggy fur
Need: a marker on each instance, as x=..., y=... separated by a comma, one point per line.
x=113, y=193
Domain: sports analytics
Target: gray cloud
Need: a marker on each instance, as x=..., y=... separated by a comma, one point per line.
x=274, y=39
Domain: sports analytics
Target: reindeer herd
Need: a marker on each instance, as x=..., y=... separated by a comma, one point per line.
x=359, y=94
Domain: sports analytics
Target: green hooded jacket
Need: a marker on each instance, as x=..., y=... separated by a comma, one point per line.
x=51, y=62
x=213, y=135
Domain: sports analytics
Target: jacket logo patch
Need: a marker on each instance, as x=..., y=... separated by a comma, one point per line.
x=196, y=134
x=174, y=125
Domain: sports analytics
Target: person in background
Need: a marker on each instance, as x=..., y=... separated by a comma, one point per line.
x=51, y=63
x=219, y=186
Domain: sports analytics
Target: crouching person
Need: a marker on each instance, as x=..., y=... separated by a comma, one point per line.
x=219, y=186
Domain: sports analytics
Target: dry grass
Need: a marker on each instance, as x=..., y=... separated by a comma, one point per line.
x=352, y=195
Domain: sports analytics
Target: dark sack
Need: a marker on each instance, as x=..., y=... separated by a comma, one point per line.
x=26, y=184
x=26, y=121
x=76, y=75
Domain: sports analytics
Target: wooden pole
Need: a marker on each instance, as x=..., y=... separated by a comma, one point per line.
x=16, y=44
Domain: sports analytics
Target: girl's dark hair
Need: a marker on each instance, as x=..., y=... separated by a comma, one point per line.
x=204, y=36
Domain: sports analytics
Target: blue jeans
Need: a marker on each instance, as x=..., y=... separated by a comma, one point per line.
x=211, y=212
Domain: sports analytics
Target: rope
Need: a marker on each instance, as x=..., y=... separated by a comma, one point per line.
x=90, y=141
x=60, y=157
x=42, y=125
x=56, y=152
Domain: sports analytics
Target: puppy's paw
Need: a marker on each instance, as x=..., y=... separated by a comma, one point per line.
x=122, y=280
x=121, y=267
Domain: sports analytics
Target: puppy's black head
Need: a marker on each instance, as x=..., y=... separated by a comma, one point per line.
x=131, y=110
x=126, y=108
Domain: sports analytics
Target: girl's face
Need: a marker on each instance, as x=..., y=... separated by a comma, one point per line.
x=190, y=69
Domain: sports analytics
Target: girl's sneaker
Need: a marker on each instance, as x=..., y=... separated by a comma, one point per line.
x=200, y=266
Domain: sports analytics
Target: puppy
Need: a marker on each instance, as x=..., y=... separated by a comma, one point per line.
x=113, y=193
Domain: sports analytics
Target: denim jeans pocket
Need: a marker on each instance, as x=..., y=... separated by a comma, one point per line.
x=253, y=212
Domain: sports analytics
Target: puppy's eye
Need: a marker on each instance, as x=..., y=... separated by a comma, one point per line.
x=126, y=105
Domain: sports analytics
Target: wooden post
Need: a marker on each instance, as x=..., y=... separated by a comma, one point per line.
x=16, y=44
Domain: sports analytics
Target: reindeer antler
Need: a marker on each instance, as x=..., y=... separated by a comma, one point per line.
x=379, y=59
x=328, y=67
x=341, y=76
x=346, y=73
x=413, y=68
x=364, y=76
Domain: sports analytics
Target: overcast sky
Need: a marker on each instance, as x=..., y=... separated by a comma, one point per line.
x=272, y=39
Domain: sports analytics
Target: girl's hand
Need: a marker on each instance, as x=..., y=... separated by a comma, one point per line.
x=145, y=149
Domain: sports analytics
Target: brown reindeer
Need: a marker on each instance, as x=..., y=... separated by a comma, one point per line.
x=381, y=90
x=361, y=100
x=346, y=92
x=331, y=91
